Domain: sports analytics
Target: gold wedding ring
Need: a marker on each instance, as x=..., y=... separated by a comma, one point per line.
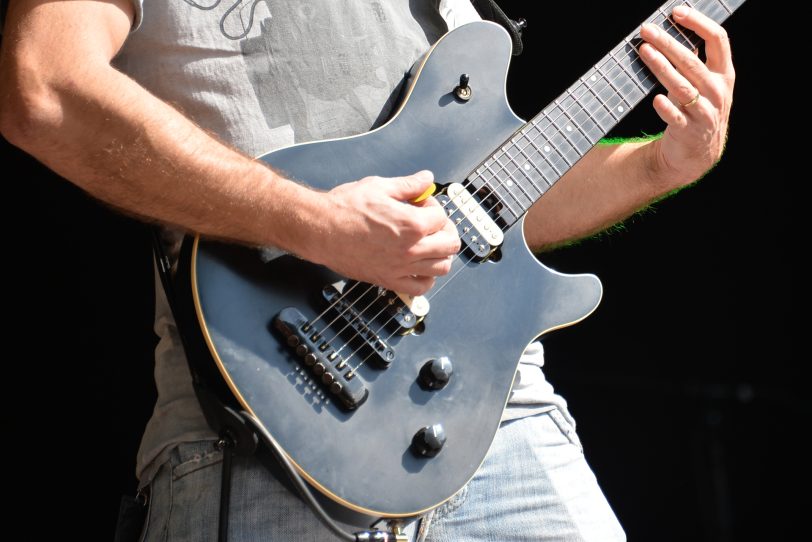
x=692, y=102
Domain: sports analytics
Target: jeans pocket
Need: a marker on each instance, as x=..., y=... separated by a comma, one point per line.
x=566, y=428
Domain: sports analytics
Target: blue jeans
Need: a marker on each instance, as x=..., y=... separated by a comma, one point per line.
x=534, y=485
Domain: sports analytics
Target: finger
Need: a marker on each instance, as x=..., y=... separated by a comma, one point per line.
x=433, y=267
x=429, y=219
x=670, y=113
x=441, y=244
x=678, y=86
x=409, y=187
x=717, y=43
x=684, y=60
x=412, y=285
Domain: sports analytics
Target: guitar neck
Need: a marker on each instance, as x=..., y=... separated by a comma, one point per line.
x=544, y=149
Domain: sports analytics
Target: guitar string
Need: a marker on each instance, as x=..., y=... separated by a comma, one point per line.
x=502, y=168
x=564, y=111
x=581, y=86
x=584, y=87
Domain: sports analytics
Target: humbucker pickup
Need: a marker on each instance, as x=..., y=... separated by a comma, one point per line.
x=477, y=230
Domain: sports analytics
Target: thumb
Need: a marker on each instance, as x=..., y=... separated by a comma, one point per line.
x=410, y=187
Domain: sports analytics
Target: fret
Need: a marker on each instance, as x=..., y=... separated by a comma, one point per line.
x=546, y=168
x=573, y=130
x=495, y=189
x=631, y=71
x=602, y=105
x=532, y=164
x=501, y=190
x=513, y=174
x=611, y=96
x=726, y=7
x=588, y=124
x=520, y=171
x=672, y=28
x=527, y=166
x=558, y=143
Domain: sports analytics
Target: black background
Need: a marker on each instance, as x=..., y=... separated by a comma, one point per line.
x=686, y=382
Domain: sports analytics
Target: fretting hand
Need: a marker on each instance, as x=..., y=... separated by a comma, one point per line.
x=699, y=96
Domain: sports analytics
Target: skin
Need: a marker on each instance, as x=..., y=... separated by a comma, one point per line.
x=62, y=102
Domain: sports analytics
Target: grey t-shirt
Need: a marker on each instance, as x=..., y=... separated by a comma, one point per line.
x=269, y=73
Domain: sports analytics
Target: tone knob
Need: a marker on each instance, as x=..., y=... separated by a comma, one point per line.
x=429, y=440
x=436, y=373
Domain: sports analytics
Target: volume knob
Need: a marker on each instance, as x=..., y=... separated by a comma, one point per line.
x=429, y=440
x=436, y=373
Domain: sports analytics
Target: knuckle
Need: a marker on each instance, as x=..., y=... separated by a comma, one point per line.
x=445, y=267
x=686, y=91
x=719, y=33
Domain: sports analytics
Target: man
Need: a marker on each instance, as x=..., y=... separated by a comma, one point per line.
x=208, y=87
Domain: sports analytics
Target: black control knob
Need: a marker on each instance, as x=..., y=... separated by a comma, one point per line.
x=429, y=441
x=436, y=373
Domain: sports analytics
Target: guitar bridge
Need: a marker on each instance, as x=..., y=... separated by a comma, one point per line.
x=330, y=369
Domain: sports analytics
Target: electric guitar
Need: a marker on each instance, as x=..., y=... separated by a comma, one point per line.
x=384, y=403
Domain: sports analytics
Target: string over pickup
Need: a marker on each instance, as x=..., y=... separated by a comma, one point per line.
x=479, y=233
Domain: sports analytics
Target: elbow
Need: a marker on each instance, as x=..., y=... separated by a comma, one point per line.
x=29, y=110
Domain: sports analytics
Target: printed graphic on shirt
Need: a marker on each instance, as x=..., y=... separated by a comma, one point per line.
x=322, y=79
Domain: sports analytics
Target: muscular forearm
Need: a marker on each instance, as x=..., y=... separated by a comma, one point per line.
x=63, y=102
x=124, y=146
x=610, y=183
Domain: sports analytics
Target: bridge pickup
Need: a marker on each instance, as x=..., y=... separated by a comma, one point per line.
x=326, y=365
x=477, y=230
x=351, y=308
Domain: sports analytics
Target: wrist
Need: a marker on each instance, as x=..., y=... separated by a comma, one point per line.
x=659, y=171
x=296, y=219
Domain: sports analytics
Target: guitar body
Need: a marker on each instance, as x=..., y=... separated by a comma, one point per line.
x=483, y=313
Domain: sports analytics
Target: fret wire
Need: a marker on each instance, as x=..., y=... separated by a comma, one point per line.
x=530, y=161
x=616, y=91
x=598, y=98
x=667, y=18
x=542, y=152
x=727, y=8
x=519, y=167
x=493, y=189
x=517, y=215
x=538, y=150
x=588, y=114
x=510, y=176
x=625, y=69
x=555, y=147
x=614, y=88
x=564, y=133
x=497, y=195
x=572, y=118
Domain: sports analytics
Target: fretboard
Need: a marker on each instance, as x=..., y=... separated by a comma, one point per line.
x=530, y=162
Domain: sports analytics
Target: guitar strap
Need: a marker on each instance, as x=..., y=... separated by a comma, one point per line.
x=490, y=10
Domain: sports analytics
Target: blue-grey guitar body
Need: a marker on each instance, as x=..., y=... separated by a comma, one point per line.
x=482, y=315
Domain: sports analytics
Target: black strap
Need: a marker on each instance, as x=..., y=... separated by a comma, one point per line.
x=490, y=10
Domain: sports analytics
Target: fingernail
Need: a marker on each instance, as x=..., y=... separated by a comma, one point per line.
x=651, y=29
x=681, y=11
x=425, y=174
x=646, y=51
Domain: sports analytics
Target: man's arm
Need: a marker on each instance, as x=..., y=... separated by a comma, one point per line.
x=613, y=181
x=63, y=102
